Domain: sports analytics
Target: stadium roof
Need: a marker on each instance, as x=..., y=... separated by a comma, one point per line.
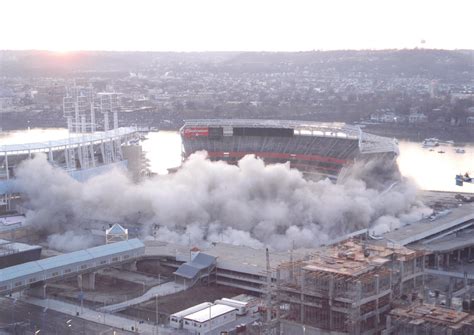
x=368, y=143
x=260, y=123
x=73, y=141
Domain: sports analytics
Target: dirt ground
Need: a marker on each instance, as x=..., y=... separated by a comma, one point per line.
x=176, y=302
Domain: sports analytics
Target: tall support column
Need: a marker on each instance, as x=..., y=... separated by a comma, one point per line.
x=7, y=171
x=303, y=284
x=92, y=118
x=116, y=125
x=423, y=265
x=50, y=156
x=66, y=158
x=402, y=275
x=38, y=290
x=414, y=272
x=86, y=281
x=377, y=291
x=91, y=152
x=77, y=120
x=278, y=275
x=106, y=121
x=356, y=308
x=449, y=296
x=331, y=295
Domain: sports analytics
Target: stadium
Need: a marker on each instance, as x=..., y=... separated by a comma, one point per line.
x=81, y=155
x=311, y=147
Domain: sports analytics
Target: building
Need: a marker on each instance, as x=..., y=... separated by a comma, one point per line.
x=416, y=117
x=312, y=147
x=116, y=233
x=422, y=318
x=176, y=319
x=204, y=321
x=13, y=253
x=348, y=287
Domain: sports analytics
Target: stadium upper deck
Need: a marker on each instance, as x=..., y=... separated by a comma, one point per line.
x=309, y=146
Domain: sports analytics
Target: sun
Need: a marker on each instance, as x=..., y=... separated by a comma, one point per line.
x=61, y=50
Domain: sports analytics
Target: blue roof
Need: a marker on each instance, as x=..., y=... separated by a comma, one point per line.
x=90, y=254
x=65, y=259
x=191, y=269
x=20, y=270
x=187, y=271
x=203, y=260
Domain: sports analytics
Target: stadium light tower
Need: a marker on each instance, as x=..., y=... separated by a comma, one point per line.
x=109, y=103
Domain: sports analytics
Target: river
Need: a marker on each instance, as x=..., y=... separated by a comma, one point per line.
x=429, y=169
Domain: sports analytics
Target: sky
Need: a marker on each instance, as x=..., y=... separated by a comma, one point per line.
x=235, y=25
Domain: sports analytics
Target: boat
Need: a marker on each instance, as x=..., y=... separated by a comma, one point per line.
x=441, y=152
x=430, y=142
x=461, y=179
x=460, y=151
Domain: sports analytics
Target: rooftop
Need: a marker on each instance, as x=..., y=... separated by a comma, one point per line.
x=423, y=229
x=69, y=258
x=71, y=141
x=8, y=247
x=209, y=313
x=353, y=258
x=424, y=313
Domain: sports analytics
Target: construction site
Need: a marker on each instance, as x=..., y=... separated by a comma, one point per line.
x=348, y=287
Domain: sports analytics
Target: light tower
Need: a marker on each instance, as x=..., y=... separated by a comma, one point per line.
x=109, y=103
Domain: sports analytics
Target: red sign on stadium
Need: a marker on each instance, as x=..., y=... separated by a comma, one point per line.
x=195, y=132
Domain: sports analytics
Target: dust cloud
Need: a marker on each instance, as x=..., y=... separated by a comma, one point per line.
x=249, y=204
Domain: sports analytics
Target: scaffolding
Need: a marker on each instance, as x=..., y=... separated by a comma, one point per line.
x=346, y=287
x=422, y=318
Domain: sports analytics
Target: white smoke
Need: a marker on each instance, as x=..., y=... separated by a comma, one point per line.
x=248, y=204
x=69, y=241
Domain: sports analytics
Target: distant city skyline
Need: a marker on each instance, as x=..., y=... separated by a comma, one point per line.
x=244, y=25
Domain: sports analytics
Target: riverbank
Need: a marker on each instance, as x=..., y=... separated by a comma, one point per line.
x=418, y=133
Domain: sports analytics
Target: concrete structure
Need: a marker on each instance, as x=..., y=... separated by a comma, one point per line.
x=457, y=219
x=204, y=321
x=80, y=155
x=325, y=148
x=201, y=267
x=83, y=263
x=13, y=253
x=428, y=319
x=347, y=288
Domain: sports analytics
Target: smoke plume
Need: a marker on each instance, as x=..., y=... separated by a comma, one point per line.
x=248, y=204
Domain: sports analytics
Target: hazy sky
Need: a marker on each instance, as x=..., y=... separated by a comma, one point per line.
x=209, y=25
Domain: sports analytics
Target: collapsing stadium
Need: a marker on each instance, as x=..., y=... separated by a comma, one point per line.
x=311, y=147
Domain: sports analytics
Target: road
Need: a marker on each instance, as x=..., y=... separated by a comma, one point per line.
x=46, y=320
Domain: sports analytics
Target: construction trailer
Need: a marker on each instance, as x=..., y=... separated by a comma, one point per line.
x=347, y=288
x=419, y=318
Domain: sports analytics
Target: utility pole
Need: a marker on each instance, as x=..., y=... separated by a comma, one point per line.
x=157, y=315
x=269, y=288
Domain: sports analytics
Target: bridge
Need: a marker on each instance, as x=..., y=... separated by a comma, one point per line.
x=83, y=263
